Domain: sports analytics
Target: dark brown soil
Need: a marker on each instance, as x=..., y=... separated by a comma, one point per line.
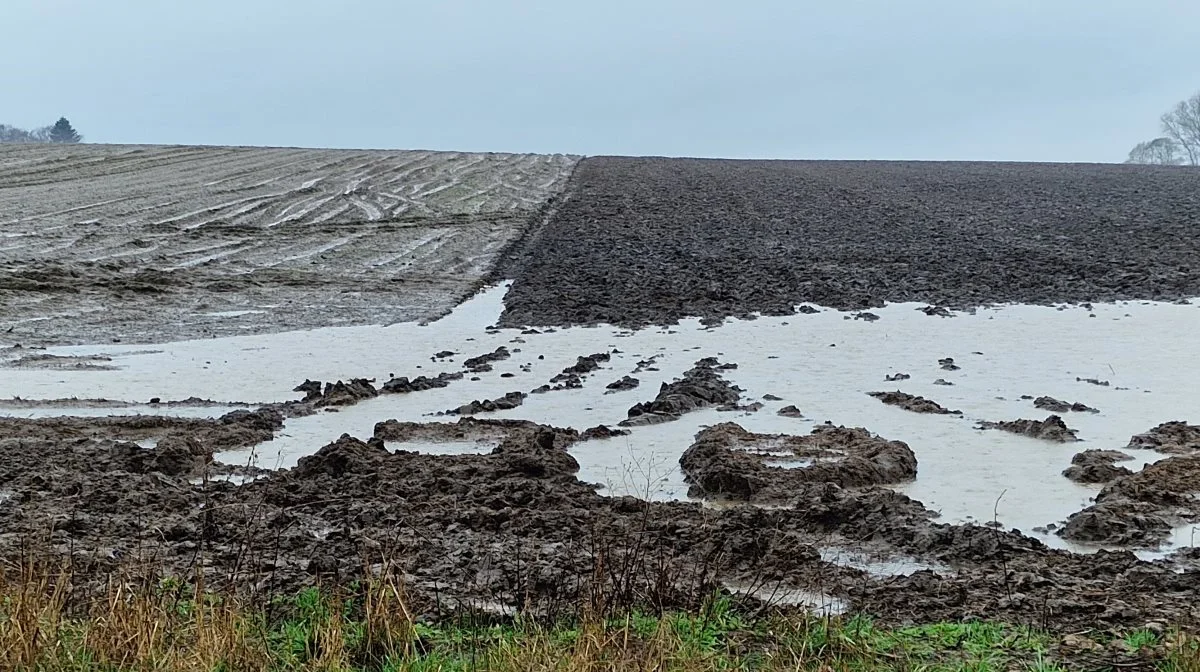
x=515, y=528
x=701, y=387
x=507, y=402
x=1140, y=509
x=727, y=462
x=651, y=240
x=572, y=377
x=912, y=402
x=625, y=383
x=1172, y=438
x=484, y=362
x=1051, y=429
x=1056, y=406
x=1097, y=466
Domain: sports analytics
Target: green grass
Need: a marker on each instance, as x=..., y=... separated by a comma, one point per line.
x=1140, y=639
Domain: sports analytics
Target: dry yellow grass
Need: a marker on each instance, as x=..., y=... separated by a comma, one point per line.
x=45, y=626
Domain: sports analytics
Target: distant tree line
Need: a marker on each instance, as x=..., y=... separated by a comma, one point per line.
x=60, y=132
x=1180, y=141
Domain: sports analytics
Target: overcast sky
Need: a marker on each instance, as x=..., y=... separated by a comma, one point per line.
x=1042, y=80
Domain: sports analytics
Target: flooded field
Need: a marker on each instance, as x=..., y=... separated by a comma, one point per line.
x=897, y=458
x=825, y=364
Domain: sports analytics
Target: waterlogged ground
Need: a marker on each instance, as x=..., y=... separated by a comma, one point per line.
x=823, y=363
x=265, y=257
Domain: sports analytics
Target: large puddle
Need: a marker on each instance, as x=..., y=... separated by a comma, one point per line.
x=823, y=363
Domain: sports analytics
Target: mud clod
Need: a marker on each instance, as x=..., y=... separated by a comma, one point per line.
x=582, y=366
x=1172, y=438
x=948, y=364
x=752, y=407
x=911, y=402
x=483, y=363
x=602, y=432
x=403, y=385
x=508, y=402
x=727, y=462
x=1097, y=466
x=625, y=383
x=1051, y=429
x=701, y=387
x=1055, y=406
x=1141, y=508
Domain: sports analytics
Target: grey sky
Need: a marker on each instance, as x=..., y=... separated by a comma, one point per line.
x=1043, y=80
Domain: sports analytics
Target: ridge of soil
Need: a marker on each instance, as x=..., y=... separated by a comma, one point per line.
x=1051, y=429
x=912, y=402
x=700, y=387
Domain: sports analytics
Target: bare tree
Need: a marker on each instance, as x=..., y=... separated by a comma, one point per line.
x=1159, y=152
x=1182, y=124
x=14, y=135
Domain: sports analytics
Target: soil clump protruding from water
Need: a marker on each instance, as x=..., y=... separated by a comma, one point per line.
x=912, y=402
x=728, y=462
x=1140, y=509
x=1051, y=429
x=507, y=402
x=701, y=387
x=625, y=383
x=1097, y=466
x=1171, y=438
x=483, y=363
x=403, y=385
x=1056, y=406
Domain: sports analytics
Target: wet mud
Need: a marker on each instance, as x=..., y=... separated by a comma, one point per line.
x=1051, y=429
x=1140, y=509
x=502, y=518
x=912, y=402
x=1097, y=466
x=653, y=240
x=701, y=387
x=1172, y=438
x=507, y=402
x=727, y=462
x=515, y=528
x=1056, y=406
x=625, y=383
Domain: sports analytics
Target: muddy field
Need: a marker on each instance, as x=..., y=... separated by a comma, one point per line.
x=649, y=241
x=1030, y=464
x=151, y=244
x=514, y=528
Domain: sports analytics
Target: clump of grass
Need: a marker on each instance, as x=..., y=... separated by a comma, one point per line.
x=369, y=628
x=1140, y=639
